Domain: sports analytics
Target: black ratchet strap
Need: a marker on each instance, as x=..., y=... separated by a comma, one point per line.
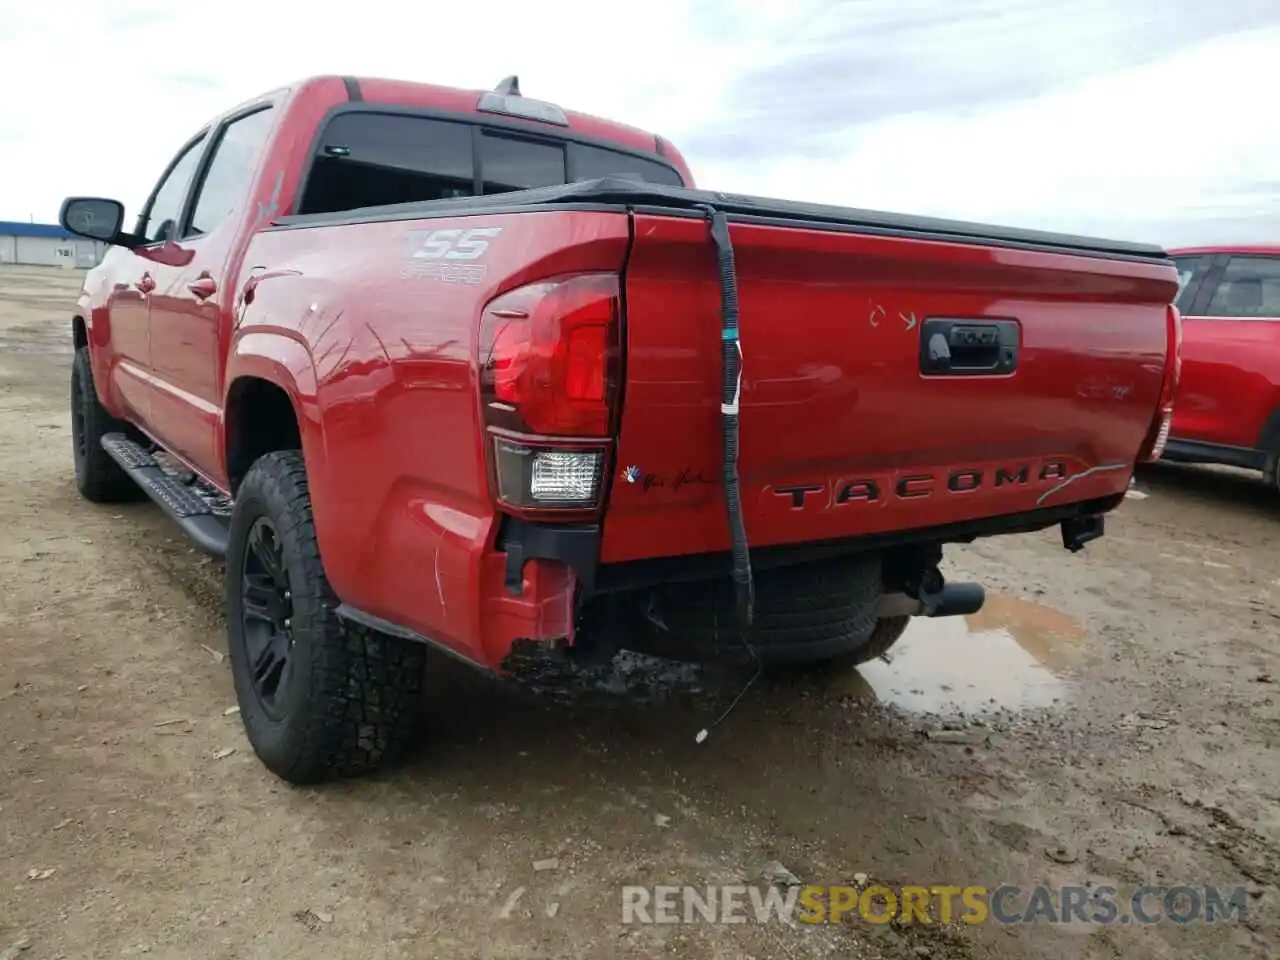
x=731, y=392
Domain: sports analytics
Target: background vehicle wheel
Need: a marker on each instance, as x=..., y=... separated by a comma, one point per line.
x=319, y=698
x=804, y=614
x=98, y=477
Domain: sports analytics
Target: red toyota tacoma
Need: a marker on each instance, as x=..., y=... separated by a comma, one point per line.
x=1228, y=405
x=461, y=369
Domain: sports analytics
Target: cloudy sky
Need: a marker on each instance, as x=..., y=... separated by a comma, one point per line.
x=1145, y=119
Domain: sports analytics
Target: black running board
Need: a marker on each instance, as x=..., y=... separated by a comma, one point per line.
x=184, y=506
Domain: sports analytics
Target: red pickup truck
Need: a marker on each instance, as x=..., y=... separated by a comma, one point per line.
x=1228, y=405
x=462, y=369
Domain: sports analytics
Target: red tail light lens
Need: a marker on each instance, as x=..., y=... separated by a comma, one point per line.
x=549, y=358
x=548, y=355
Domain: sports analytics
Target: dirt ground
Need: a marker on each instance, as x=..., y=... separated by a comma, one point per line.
x=1110, y=718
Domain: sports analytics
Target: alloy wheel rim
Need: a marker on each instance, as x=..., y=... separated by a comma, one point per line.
x=266, y=613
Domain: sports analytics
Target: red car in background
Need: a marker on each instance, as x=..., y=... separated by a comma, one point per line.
x=1228, y=404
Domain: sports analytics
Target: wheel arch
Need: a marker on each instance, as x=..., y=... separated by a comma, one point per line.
x=269, y=403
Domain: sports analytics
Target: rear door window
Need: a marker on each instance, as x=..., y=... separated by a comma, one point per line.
x=235, y=158
x=1249, y=288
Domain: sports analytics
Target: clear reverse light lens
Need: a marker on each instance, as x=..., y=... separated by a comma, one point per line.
x=530, y=477
x=562, y=475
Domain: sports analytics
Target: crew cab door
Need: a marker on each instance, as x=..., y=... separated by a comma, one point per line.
x=193, y=306
x=133, y=282
x=1230, y=350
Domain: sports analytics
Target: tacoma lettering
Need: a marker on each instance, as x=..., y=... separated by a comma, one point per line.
x=915, y=486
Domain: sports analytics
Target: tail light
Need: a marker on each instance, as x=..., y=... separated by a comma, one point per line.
x=549, y=358
x=1154, y=444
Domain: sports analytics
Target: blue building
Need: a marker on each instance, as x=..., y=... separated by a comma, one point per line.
x=46, y=245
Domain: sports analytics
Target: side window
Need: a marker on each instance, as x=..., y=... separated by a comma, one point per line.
x=235, y=157
x=371, y=159
x=1188, y=267
x=510, y=163
x=159, y=221
x=1250, y=287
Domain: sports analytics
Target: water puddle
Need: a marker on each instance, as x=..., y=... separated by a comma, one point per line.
x=1010, y=655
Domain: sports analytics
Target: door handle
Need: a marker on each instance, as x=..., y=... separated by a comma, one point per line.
x=146, y=283
x=203, y=287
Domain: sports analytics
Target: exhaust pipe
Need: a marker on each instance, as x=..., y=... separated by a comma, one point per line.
x=953, y=600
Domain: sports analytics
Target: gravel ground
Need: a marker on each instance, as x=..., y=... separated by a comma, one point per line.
x=1110, y=718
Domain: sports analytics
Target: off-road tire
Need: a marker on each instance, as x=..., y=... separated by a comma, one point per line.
x=350, y=703
x=98, y=477
x=804, y=614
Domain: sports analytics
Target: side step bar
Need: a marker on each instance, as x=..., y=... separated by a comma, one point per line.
x=183, y=505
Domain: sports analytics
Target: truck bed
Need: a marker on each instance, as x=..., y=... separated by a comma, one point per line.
x=610, y=193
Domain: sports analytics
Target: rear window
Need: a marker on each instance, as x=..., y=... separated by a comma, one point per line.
x=369, y=159
x=592, y=163
x=510, y=163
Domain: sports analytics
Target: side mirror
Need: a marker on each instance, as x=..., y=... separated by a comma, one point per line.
x=94, y=217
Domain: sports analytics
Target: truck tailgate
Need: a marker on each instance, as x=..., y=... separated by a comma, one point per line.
x=851, y=421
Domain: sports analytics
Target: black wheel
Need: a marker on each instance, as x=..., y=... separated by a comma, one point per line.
x=804, y=614
x=98, y=478
x=319, y=699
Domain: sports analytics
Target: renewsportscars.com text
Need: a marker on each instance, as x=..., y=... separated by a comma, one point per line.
x=1006, y=904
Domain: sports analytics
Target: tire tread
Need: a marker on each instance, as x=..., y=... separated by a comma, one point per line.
x=366, y=687
x=101, y=479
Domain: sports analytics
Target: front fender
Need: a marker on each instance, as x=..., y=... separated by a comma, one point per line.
x=92, y=311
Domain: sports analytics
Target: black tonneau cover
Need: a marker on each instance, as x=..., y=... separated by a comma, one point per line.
x=658, y=198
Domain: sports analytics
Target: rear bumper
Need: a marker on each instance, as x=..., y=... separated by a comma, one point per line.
x=527, y=589
x=638, y=574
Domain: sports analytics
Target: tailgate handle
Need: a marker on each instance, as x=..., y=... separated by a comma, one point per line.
x=956, y=347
